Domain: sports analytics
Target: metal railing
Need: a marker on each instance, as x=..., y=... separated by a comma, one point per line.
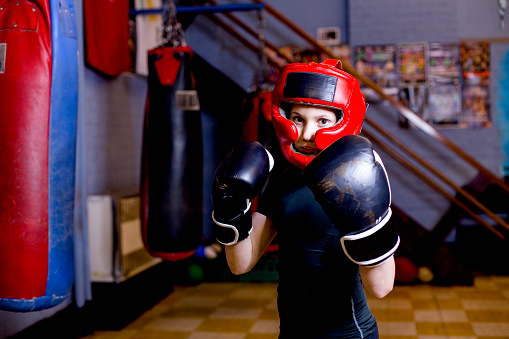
x=226, y=10
x=412, y=117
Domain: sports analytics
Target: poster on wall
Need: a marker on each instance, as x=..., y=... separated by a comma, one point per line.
x=475, y=68
x=444, y=63
x=476, y=106
x=412, y=64
x=414, y=97
x=444, y=104
x=330, y=37
x=306, y=55
x=378, y=63
x=444, y=100
x=343, y=51
x=298, y=54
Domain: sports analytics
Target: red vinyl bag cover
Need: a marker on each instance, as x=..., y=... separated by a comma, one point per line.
x=107, y=35
x=25, y=85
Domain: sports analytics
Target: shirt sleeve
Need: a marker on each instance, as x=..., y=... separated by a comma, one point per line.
x=267, y=200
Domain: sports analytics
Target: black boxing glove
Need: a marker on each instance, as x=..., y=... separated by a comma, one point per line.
x=349, y=181
x=239, y=178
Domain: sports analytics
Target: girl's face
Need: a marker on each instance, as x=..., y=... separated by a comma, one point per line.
x=308, y=120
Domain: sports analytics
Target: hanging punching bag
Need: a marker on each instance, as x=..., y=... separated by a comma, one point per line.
x=107, y=35
x=256, y=105
x=171, y=185
x=38, y=82
x=250, y=124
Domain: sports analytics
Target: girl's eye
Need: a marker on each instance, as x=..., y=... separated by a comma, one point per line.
x=296, y=118
x=324, y=121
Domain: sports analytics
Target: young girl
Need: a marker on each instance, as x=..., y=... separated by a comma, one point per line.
x=334, y=240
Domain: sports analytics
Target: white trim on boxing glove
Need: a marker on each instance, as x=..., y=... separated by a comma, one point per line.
x=233, y=228
x=271, y=160
x=367, y=233
x=379, y=160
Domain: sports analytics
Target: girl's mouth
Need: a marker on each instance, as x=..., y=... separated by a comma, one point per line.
x=308, y=150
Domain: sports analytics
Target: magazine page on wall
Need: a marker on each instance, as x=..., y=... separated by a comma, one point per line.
x=444, y=100
x=475, y=66
x=378, y=63
x=412, y=67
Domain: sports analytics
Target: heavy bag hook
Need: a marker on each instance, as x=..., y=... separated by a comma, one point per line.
x=172, y=33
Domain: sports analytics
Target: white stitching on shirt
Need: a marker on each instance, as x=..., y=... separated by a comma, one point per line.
x=355, y=319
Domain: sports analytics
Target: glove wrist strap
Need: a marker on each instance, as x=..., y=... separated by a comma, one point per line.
x=230, y=232
x=373, y=246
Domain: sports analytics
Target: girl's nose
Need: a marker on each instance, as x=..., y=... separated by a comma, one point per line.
x=308, y=132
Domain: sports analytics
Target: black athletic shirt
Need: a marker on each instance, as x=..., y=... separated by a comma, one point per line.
x=320, y=294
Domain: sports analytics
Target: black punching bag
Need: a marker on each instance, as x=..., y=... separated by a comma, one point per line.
x=171, y=178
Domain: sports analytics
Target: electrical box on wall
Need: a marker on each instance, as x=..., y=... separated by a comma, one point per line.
x=115, y=245
x=328, y=36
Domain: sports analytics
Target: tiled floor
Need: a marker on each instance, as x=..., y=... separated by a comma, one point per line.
x=248, y=311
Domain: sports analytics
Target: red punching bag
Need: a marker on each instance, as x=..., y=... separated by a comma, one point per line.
x=26, y=40
x=38, y=110
x=250, y=125
x=107, y=35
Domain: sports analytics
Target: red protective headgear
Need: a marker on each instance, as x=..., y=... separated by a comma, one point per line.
x=326, y=85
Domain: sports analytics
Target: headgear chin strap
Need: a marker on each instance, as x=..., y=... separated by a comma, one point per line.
x=325, y=85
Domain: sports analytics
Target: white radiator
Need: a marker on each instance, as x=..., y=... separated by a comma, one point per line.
x=115, y=246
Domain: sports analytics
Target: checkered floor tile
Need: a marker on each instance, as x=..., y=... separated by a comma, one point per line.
x=248, y=311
